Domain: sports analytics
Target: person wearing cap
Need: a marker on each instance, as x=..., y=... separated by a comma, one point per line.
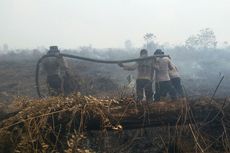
x=55, y=68
x=176, y=80
x=144, y=76
x=163, y=85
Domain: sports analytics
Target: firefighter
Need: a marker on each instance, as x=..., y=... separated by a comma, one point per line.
x=163, y=85
x=144, y=76
x=55, y=68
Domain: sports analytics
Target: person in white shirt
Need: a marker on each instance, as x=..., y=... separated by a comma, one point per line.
x=176, y=80
x=163, y=85
x=144, y=76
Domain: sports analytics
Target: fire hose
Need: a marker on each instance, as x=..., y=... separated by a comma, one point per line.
x=86, y=59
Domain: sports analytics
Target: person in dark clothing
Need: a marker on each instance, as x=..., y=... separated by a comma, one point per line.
x=56, y=71
x=163, y=85
x=144, y=77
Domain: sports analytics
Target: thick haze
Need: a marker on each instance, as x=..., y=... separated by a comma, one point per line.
x=108, y=23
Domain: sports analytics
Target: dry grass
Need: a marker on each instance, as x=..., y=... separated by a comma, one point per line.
x=50, y=125
x=34, y=125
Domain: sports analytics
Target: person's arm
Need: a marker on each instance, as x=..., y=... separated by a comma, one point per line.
x=155, y=64
x=176, y=68
x=129, y=67
x=63, y=71
x=63, y=66
x=170, y=65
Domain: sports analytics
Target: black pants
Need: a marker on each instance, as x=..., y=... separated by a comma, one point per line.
x=69, y=84
x=176, y=82
x=146, y=85
x=162, y=89
x=54, y=83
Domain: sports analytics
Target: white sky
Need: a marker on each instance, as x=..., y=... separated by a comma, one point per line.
x=108, y=23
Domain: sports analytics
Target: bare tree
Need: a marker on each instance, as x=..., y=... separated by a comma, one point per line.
x=207, y=38
x=204, y=39
x=148, y=37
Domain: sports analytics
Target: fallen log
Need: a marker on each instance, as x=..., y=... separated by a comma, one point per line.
x=53, y=122
x=156, y=115
x=130, y=115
